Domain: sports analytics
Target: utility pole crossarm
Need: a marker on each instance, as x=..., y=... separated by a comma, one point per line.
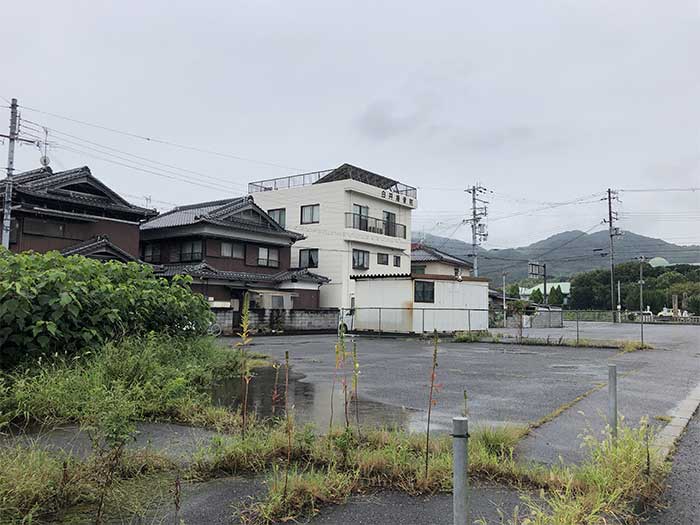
x=479, y=233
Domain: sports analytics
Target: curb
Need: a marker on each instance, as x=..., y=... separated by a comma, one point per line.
x=666, y=439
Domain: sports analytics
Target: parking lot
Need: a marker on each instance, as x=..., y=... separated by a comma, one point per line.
x=510, y=383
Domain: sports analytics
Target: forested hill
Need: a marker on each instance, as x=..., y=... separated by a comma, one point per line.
x=567, y=253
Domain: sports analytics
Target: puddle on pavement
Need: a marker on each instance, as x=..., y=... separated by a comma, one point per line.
x=311, y=402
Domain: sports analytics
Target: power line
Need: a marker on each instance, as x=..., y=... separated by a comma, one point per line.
x=163, y=141
x=659, y=190
x=101, y=147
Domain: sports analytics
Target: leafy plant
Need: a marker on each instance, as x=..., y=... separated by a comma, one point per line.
x=51, y=303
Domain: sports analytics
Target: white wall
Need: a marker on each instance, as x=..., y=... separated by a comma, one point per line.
x=401, y=314
x=334, y=241
x=440, y=268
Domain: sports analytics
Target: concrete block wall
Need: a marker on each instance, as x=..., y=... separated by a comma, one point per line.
x=224, y=318
x=298, y=320
x=544, y=319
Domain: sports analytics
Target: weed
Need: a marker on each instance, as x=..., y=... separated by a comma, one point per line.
x=431, y=400
x=474, y=336
x=607, y=486
x=300, y=493
x=355, y=384
x=288, y=420
x=158, y=376
x=36, y=483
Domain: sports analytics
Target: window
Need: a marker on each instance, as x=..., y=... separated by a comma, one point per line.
x=397, y=260
x=268, y=257
x=151, y=253
x=360, y=217
x=308, y=258
x=360, y=259
x=279, y=215
x=424, y=292
x=46, y=228
x=191, y=251
x=310, y=214
x=420, y=270
x=232, y=250
x=458, y=272
x=390, y=223
x=383, y=258
x=277, y=302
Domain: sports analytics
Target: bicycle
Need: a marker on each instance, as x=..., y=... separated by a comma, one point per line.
x=214, y=330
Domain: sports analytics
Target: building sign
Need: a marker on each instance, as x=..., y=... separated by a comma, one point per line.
x=396, y=197
x=535, y=269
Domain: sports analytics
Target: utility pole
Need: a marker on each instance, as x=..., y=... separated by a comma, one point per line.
x=544, y=270
x=504, y=299
x=7, y=204
x=479, y=232
x=613, y=232
x=619, y=298
x=641, y=298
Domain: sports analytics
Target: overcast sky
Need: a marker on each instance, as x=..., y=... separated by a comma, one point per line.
x=542, y=102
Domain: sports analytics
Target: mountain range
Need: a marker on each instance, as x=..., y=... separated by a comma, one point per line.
x=565, y=253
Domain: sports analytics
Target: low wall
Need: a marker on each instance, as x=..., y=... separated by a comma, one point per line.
x=297, y=320
x=545, y=319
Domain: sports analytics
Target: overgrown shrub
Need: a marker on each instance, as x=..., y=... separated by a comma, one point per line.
x=50, y=303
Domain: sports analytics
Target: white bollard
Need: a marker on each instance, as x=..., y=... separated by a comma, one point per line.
x=460, y=474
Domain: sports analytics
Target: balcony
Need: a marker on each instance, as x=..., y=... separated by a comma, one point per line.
x=373, y=225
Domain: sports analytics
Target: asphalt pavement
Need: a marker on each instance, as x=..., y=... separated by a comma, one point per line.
x=682, y=497
x=514, y=384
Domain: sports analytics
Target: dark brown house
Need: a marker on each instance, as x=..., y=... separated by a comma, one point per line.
x=229, y=247
x=73, y=212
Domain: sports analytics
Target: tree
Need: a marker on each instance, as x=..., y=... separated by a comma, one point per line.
x=513, y=291
x=536, y=296
x=694, y=304
x=556, y=297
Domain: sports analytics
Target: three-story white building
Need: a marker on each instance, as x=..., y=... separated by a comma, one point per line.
x=355, y=222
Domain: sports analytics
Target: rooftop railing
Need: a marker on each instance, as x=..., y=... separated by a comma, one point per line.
x=283, y=183
x=306, y=179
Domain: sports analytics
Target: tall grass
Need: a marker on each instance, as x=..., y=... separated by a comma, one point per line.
x=157, y=376
x=36, y=483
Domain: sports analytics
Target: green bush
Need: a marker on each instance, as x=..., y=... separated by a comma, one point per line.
x=50, y=303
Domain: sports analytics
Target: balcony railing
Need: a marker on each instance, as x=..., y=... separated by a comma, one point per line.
x=373, y=225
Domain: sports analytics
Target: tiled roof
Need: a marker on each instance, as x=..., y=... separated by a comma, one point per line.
x=97, y=244
x=190, y=214
x=44, y=183
x=221, y=212
x=423, y=253
x=203, y=270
